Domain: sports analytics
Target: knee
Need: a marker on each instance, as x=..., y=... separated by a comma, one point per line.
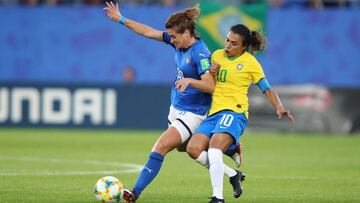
x=221, y=141
x=193, y=151
x=162, y=148
x=166, y=142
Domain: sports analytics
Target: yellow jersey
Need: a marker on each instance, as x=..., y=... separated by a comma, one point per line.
x=233, y=81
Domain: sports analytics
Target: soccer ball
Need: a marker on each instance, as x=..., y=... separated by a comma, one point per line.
x=108, y=189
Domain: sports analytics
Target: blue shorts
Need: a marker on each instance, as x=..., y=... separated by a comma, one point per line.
x=226, y=121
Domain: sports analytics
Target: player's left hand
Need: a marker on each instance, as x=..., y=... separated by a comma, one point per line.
x=281, y=111
x=112, y=11
x=215, y=67
x=182, y=84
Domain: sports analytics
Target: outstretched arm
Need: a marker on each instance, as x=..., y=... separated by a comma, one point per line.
x=113, y=13
x=275, y=101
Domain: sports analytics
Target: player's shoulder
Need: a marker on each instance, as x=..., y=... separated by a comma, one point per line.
x=251, y=59
x=167, y=39
x=201, y=50
x=249, y=56
x=218, y=53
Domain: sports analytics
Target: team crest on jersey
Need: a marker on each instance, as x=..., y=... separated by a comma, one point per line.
x=239, y=66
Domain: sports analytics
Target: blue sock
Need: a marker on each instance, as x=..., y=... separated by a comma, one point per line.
x=149, y=172
x=231, y=150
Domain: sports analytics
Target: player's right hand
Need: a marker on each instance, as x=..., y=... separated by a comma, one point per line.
x=182, y=84
x=215, y=67
x=281, y=111
x=112, y=11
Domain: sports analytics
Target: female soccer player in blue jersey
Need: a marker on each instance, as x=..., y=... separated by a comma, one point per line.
x=191, y=91
x=228, y=114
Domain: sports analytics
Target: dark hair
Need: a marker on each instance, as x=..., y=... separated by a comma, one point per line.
x=184, y=20
x=253, y=40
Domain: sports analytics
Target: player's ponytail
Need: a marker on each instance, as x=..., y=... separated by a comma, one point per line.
x=184, y=20
x=253, y=40
x=257, y=42
x=192, y=13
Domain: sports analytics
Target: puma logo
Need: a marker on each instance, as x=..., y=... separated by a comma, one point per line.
x=148, y=169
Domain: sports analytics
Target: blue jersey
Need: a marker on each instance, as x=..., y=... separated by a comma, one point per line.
x=190, y=63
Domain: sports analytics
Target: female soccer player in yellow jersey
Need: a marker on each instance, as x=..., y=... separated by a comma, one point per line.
x=237, y=69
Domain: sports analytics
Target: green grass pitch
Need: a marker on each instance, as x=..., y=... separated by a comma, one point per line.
x=53, y=165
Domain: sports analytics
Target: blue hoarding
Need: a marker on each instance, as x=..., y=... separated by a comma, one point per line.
x=67, y=44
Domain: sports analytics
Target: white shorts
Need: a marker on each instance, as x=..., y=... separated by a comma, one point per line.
x=184, y=121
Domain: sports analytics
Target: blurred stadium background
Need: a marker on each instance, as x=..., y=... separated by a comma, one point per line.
x=65, y=69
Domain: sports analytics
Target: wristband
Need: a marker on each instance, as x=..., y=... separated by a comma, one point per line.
x=122, y=20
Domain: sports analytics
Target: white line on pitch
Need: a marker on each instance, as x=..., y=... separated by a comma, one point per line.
x=131, y=168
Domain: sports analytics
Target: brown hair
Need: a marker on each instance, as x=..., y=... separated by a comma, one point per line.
x=253, y=41
x=185, y=20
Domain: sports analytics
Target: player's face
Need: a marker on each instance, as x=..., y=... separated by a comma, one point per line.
x=234, y=44
x=179, y=40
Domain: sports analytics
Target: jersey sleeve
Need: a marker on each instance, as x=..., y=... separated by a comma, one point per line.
x=257, y=72
x=167, y=39
x=202, y=59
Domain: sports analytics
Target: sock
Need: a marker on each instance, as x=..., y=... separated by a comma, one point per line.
x=231, y=150
x=204, y=161
x=229, y=172
x=216, y=171
x=149, y=172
